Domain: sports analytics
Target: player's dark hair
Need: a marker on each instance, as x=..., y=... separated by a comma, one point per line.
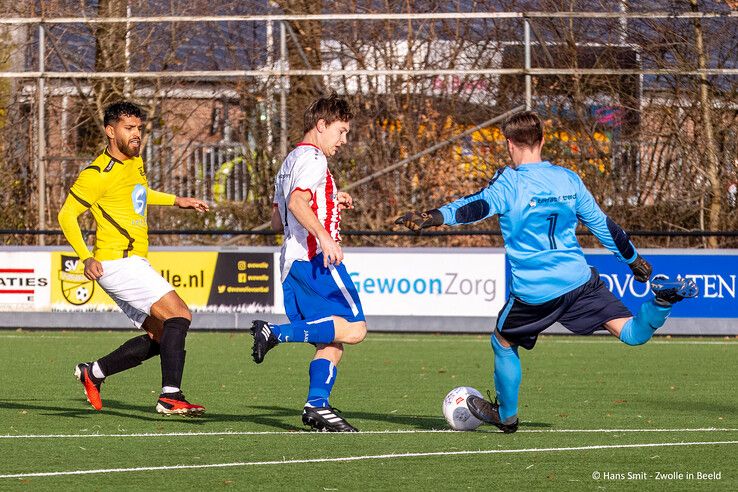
x=524, y=128
x=121, y=108
x=330, y=108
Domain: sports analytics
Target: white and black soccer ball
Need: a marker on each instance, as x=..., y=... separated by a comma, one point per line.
x=457, y=413
x=82, y=293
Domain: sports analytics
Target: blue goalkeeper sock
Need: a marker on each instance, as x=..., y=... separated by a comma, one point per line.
x=640, y=328
x=508, y=375
x=308, y=331
x=322, y=376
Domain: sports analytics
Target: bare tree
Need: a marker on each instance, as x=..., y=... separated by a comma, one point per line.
x=110, y=52
x=659, y=152
x=713, y=165
x=16, y=130
x=303, y=39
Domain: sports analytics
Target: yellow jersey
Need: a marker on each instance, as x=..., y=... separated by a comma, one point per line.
x=117, y=194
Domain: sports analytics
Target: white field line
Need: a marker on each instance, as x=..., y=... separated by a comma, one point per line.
x=357, y=434
x=365, y=457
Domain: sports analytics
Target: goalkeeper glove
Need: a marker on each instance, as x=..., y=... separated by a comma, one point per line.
x=641, y=269
x=416, y=221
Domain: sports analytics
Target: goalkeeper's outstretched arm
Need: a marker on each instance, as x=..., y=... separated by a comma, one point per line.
x=485, y=203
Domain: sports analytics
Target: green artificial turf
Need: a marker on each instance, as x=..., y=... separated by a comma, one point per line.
x=588, y=406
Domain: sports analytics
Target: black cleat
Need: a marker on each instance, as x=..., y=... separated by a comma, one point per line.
x=326, y=419
x=264, y=340
x=669, y=292
x=177, y=404
x=489, y=412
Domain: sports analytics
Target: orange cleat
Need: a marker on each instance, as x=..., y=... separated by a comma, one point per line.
x=83, y=372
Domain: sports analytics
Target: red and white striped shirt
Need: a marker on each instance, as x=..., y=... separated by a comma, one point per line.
x=305, y=169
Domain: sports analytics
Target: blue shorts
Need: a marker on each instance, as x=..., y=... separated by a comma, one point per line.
x=312, y=291
x=583, y=311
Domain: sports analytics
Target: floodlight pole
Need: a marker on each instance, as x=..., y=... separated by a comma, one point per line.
x=41, y=137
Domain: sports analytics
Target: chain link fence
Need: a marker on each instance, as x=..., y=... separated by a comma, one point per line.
x=641, y=103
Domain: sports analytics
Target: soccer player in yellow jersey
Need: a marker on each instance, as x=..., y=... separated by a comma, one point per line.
x=115, y=190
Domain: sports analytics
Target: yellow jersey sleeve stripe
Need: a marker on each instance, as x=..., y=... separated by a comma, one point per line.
x=83, y=202
x=120, y=229
x=93, y=167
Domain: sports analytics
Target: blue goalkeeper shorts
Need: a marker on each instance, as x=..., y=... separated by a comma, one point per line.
x=582, y=311
x=312, y=291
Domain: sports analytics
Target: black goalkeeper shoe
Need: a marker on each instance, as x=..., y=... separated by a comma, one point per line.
x=264, y=340
x=489, y=412
x=326, y=419
x=669, y=292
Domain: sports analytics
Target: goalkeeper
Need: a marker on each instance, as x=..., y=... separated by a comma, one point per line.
x=539, y=205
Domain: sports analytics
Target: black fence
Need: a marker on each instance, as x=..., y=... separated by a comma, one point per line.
x=363, y=233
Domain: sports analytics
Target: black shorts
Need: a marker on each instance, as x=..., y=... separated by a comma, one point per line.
x=583, y=311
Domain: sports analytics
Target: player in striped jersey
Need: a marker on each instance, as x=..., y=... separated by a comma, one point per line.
x=114, y=189
x=320, y=299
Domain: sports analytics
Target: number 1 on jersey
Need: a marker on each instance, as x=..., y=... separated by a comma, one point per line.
x=552, y=230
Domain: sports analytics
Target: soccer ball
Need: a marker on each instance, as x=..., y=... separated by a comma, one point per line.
x=457, y=413
x=81, y=294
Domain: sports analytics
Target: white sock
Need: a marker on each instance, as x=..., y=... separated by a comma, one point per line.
x=96, y=371
x=169, y=389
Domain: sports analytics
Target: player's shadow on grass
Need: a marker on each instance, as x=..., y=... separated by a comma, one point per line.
x=268, y=416
x=524, y=424
x=695, y=406
x=78, y=409
x=423, y=422
x=273, y=417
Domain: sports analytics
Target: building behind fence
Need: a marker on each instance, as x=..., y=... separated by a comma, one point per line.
x=621, y=91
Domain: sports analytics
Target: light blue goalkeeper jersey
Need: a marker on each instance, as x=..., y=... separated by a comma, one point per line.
x=539, y=206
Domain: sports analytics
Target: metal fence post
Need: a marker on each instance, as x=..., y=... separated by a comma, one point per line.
x=41, y=137
x=127, y=89
x=283, y=90
x=269, y=87
x=528, y=81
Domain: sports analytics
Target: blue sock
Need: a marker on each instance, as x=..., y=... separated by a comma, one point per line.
x=507, y=379
x=307, y=331
x=322, y=376
x=639, y=329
